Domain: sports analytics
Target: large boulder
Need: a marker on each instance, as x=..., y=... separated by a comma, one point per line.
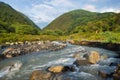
x=93, y=57
x=40, y=75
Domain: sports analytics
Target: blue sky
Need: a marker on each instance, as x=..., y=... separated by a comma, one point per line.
x=42, y=12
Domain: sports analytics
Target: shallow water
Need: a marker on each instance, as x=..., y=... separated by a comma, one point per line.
x=41, y=60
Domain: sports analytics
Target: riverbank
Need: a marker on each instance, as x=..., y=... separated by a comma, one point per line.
x=15, y=49
x=110, y=46
x=10, y=50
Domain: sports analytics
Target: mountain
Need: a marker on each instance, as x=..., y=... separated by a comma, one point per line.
x=12, y=21
x=85, y=21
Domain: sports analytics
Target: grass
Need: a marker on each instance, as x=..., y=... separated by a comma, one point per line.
x=110, y=37
x=11, y=37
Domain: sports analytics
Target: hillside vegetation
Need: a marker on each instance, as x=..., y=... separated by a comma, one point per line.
x=12, y=21
x=77, y=25
x=85, y=21
x=85, y=25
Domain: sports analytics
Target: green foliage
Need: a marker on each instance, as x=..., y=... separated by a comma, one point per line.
x=52, y=32
x=111, y=37
x=5, y=28
x=12, y=37
x=12, y=21
x=48, y=32
x=84, y=21
x=59, y=32
x=76, y=25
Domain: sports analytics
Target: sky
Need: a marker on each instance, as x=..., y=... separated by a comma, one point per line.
x=42, y=12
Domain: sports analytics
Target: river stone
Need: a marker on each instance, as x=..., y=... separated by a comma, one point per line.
x=40, y=75
x=56, y=69
x=8, y=56
x=81, y=62
x=71, y=41
x=93, y=57
x=76, y=55
x=7, y=50
x=60, y=69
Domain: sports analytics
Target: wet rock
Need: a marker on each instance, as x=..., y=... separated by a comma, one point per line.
x=113, y=64
x=7, y=51
x=57, y=45
x=116, y=74
x=93, y=57
x=71, y=41
x=69, y=68
x=40, y=75
x=82, y=62
x=8, y=56
x=56, y=69
x=104, y=74
x=60, y=69
x=86, y=56
x=78, y=57
x=21, y=48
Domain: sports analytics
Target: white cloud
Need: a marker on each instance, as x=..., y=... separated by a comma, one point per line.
x=116, y=10
x=89, y=7
x=48, y=10
x=42, y=13
x=60, y=3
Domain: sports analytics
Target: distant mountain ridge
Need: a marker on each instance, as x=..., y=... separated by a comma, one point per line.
x=15, y=22
x=85, y=21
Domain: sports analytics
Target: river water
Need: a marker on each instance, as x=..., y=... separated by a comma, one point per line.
x=27, y=63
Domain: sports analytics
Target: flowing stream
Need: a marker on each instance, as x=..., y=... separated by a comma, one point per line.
x=24, y=65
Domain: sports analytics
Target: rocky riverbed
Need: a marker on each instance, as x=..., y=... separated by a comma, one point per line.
x=64, y=72
x=19, y=48
x=71, y=63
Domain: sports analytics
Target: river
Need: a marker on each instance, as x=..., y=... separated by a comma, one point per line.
x=40, y=60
